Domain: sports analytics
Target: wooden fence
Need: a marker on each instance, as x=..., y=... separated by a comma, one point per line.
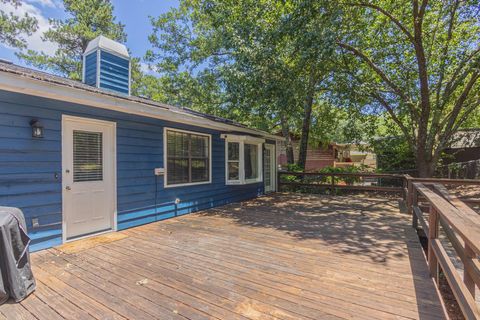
x=292, y=181
x=381, y=182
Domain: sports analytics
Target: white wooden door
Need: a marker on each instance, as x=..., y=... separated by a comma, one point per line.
x=88, y=161
x=269, y=168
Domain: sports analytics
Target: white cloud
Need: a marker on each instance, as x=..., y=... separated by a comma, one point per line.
x=45, y=3
x=144, y=67
x=34, y=41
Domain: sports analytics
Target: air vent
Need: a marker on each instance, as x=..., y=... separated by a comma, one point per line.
x=106, y=65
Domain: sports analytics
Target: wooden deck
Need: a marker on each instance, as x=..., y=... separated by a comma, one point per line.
x=278, y=257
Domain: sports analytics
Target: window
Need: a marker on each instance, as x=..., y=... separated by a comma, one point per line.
x=243, y=159
x=187, y=158
x=251, y=161
x=233, y=160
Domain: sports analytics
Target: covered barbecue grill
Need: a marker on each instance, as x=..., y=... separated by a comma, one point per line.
x=16, y=279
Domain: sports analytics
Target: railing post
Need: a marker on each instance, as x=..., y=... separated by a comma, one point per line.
x=414, y=203
x=467, y=278
x=409, y=196
x=432, y=235
x=412, y=200
x=333, y=183
x=279, y=183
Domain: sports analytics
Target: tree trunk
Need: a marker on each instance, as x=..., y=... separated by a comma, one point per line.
x=307, y=117
x=288, y=140
x=425, y=165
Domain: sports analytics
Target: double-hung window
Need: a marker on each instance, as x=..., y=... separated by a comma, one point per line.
x=243, y=159
x=187, y=158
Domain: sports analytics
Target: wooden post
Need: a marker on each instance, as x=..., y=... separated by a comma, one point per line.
x=414, y=203
x=278, y=181
x=432, y=234
x=410, y=196
x=333, y=183
x=467, y=278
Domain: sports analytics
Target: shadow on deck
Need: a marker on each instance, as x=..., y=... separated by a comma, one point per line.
x=284, y=256
x=361, y=225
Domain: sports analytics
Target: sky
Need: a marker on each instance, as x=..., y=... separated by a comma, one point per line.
x=133, y=14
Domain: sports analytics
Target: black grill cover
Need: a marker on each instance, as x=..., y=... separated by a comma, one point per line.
x=16, y=279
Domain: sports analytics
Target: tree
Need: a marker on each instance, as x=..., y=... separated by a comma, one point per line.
x=14, y=27
x=418, y=61
x=88, y=19
x=311, y=27
x=261, y=69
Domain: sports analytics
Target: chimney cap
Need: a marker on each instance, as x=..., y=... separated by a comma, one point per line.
x=108, y=45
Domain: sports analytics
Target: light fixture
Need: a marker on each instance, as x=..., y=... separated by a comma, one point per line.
x=37, y=128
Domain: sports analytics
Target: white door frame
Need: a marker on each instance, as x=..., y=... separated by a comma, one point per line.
x=113, y=126
x=273, y=164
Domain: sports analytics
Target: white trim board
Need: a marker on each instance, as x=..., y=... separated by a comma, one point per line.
x=242, y=140
x=273, y=182
x=22, y=84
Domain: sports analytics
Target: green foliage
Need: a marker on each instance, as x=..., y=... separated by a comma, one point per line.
x=416, y=62
x=246, y=60
x=393, y=155
x=13, y=27
x=324, y=176
x=293, y=167
x=340, y=179
x=87, y=20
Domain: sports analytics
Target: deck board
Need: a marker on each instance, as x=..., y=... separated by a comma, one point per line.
x=284, y=256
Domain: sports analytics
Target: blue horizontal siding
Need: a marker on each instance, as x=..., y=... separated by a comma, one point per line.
x=114, y=72
x=30, y=169
x=90, y=76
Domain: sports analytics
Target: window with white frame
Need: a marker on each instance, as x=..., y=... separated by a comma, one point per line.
x=243, y=159
x=187, y=158
x=233, y=161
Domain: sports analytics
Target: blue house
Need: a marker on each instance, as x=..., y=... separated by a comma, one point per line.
x=84, y=158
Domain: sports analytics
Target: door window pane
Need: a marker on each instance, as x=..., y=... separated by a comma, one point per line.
x=87, y=156
x=267, y=167
x=251, y=161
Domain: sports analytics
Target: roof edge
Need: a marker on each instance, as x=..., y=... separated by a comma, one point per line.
x=22, y=83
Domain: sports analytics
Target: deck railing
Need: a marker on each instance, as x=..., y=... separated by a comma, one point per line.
x=447, y=215
x=292, y=181
x=382, y=182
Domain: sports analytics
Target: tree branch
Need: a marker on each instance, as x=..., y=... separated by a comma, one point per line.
x=377, y=70
x=423, y=137
x=466, y=113
x=456, y=78
x=450, y=119
x=439, y=106
x=421, y=12
x=445, y=51
x=395, y=118
x=388, y=15
x=445, y=138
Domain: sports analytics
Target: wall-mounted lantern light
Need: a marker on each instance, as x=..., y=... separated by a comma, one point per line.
x=37, y=128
